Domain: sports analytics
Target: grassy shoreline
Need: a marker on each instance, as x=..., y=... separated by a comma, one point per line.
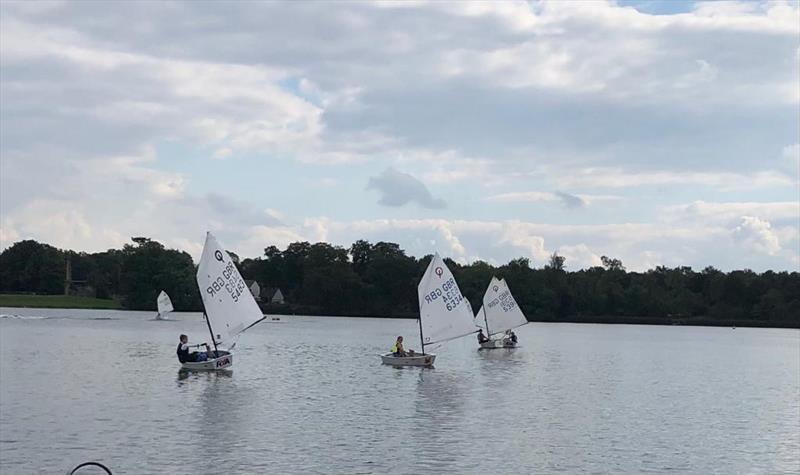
x=68, y=301
x=57, y=301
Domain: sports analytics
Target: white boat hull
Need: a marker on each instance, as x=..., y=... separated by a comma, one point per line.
x=223, y=361
x=416, y=360
x=497, y=344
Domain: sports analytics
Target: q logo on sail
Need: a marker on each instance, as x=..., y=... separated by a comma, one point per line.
x=218, y=255
x=439, y=272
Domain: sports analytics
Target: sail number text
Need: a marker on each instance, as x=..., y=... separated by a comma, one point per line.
x=504, y=300
x=229, y=281
x=448, y=292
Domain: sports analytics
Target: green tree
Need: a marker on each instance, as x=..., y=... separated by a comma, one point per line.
x=28, y=266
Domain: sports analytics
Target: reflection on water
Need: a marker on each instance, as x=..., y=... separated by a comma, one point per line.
x=311, y=396
x=440, y=411
x=184, y=374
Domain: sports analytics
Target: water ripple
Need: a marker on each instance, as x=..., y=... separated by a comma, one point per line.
x=310, y=396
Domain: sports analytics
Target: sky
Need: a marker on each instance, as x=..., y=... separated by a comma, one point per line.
x=658, y=133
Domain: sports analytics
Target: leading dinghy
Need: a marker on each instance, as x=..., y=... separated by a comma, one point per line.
x=444, y=314
x=499, y=314
x=230, y=308
x=164, y=305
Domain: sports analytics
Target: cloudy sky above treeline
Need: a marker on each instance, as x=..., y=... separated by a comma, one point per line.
x=659, y=133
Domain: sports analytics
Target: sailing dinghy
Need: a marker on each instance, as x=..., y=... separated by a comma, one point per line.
x=499, y=314
x=444, y=314
x=230, y=308
x=164, y=306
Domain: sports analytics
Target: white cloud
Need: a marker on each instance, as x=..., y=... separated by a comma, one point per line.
x=59, y=224
x=8, y=234
x=115, y=110
x=523, y=197
x=230, y=106
x=181, y=224
x=450, y=168
x=456, y=248
x=569, y=200
x=624, y=58
x=704, y=73
x=724, y=181
x=757, y=235
x=717, y=212
x=579, y=256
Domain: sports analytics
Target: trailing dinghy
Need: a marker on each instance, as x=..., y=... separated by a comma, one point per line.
x=230, y=308
x=444, y=314
x=164, y=305
x=499, y=314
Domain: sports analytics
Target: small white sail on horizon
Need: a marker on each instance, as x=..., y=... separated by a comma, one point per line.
x=229, y=306
x=499, y=312
x=164, y=304
x=444, y=312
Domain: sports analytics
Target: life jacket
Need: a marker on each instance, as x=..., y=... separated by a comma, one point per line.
x=183, y=355
x=394, y=348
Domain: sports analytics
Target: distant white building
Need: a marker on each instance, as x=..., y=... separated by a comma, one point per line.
x=255, y=289
x=277, y=297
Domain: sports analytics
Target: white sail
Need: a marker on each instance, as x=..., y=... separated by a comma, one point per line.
x=479, y=321
x=445, y=313
x=501, y=310
x=230, y=307
x=164, y=304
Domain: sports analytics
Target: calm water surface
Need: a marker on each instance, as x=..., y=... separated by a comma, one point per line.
x=309, y=395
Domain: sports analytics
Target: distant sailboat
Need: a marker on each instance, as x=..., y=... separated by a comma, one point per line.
x=499, y=314
x=164, y=306
x=444, y=314
x=230, y=308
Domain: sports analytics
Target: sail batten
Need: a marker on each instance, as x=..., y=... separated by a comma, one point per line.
x=230, y=307
x=500, y=312
x=445, y=314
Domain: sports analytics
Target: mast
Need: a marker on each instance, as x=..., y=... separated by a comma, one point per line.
x=421, y=340
x=488, y=333
x=214, y=340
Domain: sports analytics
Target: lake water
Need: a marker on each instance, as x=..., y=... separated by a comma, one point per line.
x=309, y=395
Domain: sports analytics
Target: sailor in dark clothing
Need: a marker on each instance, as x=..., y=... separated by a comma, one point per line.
x=481, y=337
x=185, y=356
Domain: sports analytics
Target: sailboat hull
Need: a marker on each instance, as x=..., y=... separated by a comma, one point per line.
x=416, y=360
x=223, y=361
x=497, y=344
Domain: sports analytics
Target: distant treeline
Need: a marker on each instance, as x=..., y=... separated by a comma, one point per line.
x=381, y=280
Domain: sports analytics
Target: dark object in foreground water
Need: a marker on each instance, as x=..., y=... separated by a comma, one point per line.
x=90, y=464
